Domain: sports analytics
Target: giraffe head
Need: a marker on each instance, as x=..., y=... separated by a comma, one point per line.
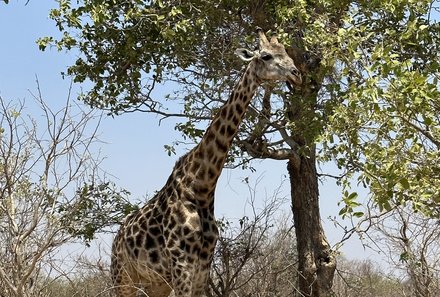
x=271, y=61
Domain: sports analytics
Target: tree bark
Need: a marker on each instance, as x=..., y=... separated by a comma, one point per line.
x=316, y=261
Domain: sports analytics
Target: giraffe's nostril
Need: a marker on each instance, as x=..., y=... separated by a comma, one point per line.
x=296, y=72
x=295, y=76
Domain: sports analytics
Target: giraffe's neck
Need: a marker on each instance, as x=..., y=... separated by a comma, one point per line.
x=202, y=166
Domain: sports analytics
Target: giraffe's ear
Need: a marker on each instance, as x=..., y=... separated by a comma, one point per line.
x=244, y=54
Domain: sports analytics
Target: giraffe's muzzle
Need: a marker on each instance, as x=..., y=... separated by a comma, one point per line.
x=294, y=77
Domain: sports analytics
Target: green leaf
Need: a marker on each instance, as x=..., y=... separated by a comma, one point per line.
x=404, y=182
x=342, y=211
x=358, y=214
x=404, y=257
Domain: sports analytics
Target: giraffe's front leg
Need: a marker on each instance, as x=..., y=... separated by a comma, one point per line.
x=190, y=276
x=185, y=268
x=200, y=282
x=183, y=275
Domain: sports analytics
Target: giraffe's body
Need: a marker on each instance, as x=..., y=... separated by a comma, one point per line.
x=169, y=243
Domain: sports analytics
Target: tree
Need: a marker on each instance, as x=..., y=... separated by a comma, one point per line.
x=47, y=168
x=89, y=278
x=251, y=254
x=412, y=242
x=369, y=100
x=366, y=278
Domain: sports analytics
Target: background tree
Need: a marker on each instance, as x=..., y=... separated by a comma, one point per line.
x=369, y=100
x=251, y=254
x=366, y=278
x=43, y=163
x=412, y=242
x=90, y=277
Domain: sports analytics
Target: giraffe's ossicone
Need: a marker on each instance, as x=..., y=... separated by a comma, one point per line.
x=169, y=243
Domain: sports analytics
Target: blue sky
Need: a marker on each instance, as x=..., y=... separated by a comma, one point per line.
x=133, y=142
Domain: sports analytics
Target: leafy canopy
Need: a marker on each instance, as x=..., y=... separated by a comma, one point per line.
x=370, y=100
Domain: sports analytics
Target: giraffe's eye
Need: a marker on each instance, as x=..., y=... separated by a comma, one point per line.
x=266, y=57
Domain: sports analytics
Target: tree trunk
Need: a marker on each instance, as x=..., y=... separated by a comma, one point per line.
x=316, y=262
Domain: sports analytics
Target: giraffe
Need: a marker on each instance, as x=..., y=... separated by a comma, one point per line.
x=168, y=244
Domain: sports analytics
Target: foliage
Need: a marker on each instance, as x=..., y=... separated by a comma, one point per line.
x=129, y=47
x=95, y=208
x=386, y=124
x=370, y=96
